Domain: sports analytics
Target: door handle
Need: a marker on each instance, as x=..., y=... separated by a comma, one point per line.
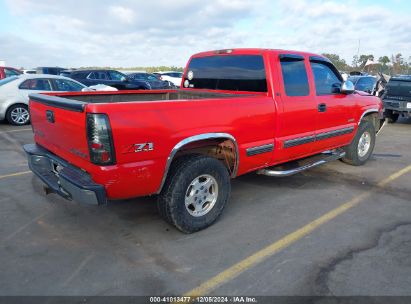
x=322, y=107
x=50, y=116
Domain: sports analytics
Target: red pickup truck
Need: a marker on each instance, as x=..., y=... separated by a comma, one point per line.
x=271, y=111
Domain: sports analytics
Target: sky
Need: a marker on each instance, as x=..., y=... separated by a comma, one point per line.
x=130, y=33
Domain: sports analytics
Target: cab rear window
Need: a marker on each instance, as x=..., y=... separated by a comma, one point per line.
x=227, y=72
x=398, y=87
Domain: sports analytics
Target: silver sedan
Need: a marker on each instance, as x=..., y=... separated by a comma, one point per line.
x=15, y=90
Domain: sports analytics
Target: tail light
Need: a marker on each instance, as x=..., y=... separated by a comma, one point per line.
x=100, y=140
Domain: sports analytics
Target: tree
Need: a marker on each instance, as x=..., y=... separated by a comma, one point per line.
x=338, y=62
x=363, y=59
x=384, y=60
x=399, y=59
x=398, y=64
x=355, y=61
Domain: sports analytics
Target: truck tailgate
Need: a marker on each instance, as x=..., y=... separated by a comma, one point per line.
x=60, y=127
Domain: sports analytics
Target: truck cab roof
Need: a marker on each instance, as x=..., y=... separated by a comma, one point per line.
x=256, y=51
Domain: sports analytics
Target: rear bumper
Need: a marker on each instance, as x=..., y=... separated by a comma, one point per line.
x=62, y=178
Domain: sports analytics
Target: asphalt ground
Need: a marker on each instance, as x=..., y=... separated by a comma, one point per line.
x=332, y=230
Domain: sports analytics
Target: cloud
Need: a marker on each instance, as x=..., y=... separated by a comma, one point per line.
x=127, y=33
x=337, y=27
x=163, y=32
x=123, y=14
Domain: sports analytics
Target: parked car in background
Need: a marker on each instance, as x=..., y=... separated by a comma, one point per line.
x=111, y=78
x=66, y=73
x=153, y=80
x=14, y=92
x=363, y=83
x=49, y=70
x=29, y=72
x=8, y=72
x=358, y=73
x=397, y=98
x=173, y=77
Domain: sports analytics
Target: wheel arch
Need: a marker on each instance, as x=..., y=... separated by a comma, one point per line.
x=371, y=115
x=196, y=144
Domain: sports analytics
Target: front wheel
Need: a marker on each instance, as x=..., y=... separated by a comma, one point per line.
x=391, y=117
x=195, y=193
x=362, y=146
x=18, y=115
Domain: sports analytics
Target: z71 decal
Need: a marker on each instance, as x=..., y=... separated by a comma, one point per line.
x=135, y=148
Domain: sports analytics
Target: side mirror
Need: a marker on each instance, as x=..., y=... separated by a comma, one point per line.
x=347, y=87
x=124, y=79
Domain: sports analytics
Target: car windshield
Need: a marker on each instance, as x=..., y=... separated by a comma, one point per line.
x=353, y=79
x=7, y=80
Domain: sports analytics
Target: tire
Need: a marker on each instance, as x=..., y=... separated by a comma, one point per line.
x=18, y=115
x=362, y=146
x=391, y=117
x=181, y=202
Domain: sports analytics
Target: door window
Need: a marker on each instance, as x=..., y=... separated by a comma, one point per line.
x=326, y=80
x=10, y=72
x=67, y=85
x=36, y=84
x=294, y=77
x=116, y=75
x=100, y=75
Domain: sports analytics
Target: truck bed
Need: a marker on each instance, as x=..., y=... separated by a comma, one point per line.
x=160, y=118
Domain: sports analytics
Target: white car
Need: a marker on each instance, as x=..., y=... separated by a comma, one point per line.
x=174, y=77
x=15, y=90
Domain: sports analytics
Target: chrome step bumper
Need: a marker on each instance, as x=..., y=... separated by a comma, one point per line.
x=297, y=166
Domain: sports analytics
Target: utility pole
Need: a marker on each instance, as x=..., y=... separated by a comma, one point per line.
x=358, y=53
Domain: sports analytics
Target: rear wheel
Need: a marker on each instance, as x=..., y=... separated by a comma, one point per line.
x=360, y=149
x=18, y=115
x=195, y=193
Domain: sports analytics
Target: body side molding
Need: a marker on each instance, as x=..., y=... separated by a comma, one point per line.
x=259, y=149
x=298, y=141
x=321, y=136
